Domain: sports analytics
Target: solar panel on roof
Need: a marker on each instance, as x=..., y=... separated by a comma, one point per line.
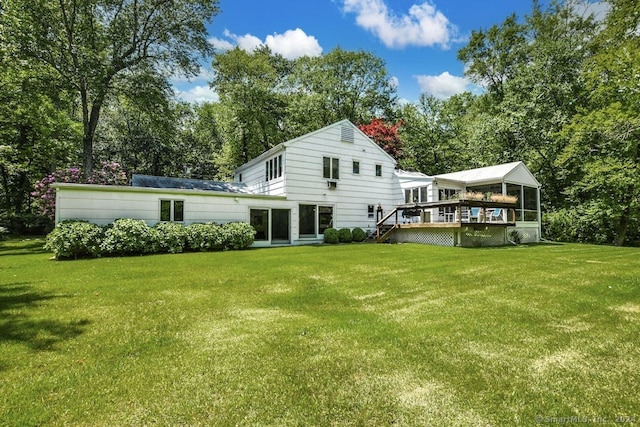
x=149, y=181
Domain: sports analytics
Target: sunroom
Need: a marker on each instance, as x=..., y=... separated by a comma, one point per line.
x=477, y=207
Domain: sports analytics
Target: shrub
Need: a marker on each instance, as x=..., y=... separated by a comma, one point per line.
x=344, y=235
x=4, y=232
x=331, y=235
x=588, y=223
x=128, y=237
x=238, y=235
x=75, y=239
x=170, y=237
x=515, y=237
x=359, y=235
x=205, y=237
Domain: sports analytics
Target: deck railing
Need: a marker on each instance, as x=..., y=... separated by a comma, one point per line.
x=448, y=213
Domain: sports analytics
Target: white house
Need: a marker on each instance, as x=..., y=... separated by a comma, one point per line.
x=333, y=177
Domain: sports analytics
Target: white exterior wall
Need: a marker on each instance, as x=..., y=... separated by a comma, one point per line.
x=104, y=204
x=304, y=183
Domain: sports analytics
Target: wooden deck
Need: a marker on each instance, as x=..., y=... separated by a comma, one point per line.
x=446, y=214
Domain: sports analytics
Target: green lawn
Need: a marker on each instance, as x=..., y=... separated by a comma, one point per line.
x=358, y=334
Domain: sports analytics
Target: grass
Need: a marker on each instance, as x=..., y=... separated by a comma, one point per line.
x=357, y=334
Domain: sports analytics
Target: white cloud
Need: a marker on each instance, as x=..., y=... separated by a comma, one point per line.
x=197, y=94
x=292, y=44
x=444, y=85
x=220, y=44
x=424, y=25
x=394, y=82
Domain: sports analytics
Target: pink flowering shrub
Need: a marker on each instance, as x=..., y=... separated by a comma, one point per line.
x=109, y=174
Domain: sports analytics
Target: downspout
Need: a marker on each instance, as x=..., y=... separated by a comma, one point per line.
x=539, y=215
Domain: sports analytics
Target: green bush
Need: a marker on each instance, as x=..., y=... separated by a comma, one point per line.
x=359, y=235
x=588, y=223
x=128, y=237
x=205, y=237
x=170, y=237
x=331, y=236
x=344, y=235
x=75, y=239
x=238, y=235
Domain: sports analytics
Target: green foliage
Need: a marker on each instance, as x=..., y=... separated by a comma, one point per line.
x=331, y=236
x=515, y=237
x=205, y=237
x=75, y=239
x=238, y=235
x=127, y=236
x=587, y=223
x=344, y=235
x=95, y=47
x=358, y=235
x=170, y=237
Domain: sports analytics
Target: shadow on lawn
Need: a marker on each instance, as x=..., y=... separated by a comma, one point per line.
x=19, y=304
x=22, y=247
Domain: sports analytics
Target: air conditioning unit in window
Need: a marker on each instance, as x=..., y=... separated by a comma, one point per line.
x=332, y=185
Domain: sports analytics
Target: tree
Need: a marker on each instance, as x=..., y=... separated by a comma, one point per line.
x=340, y=85
x=532, y=71
x=435, y=135
x=251, y=87
x=37, y=133
x=92, y=44
x=603, y=156
x=386, y=135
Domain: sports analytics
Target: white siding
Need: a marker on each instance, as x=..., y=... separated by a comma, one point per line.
x=103, y=204
x=303, y=181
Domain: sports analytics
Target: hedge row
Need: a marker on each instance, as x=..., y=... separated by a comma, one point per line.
x=78, y=239
x=344, y=235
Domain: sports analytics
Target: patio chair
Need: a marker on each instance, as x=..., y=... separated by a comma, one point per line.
x=474, y=215
x=496, y=215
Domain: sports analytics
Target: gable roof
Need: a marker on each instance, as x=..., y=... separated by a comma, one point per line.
x=282, y=146
x=515, y=172
x=150, y=181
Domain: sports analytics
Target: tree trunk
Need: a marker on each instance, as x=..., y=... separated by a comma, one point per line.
x=90, y=124
x=623, y=226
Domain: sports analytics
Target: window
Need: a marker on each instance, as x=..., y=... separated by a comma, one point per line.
x=527, y=205
x=370, y=211
x=172, y=210
x=416, y=195
x=448, y=193
x=356, y=167
x=378, y=170
x=314, y=220
x=330, y=168
x=273, y=168
x=259, y=219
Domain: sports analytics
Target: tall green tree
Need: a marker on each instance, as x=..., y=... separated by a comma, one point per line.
x=251, y=85
x=532, y=70
x=37, y=133
x=342, y=84
x=91, y=44
x=603, y=156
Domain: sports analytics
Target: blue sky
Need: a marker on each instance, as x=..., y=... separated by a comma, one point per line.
x=418, y=40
